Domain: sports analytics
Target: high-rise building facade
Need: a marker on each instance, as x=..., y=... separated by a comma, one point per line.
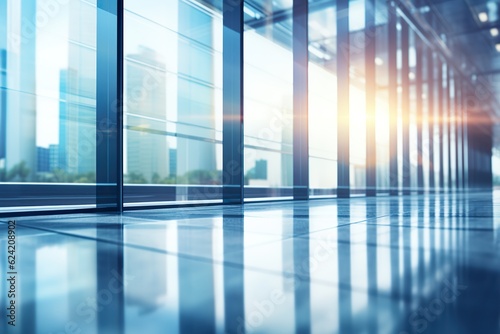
x=19, y=65
x=3, y=83
x=196, y=91
x=370, y=129
x=53, y=157
x=147, y=147
x=3, y=106
x=77, y=132
x=77, y=89
x=43, y=160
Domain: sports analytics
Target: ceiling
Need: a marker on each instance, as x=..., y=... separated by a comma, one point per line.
x=470, y=28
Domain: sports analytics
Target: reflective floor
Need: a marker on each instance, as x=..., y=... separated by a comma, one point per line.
x=416, y=264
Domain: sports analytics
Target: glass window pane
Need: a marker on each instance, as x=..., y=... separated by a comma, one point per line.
x=382, y=96
x=413, y=111
x=322, y=102
x=173, y=101
x=48, y=102
x=268, y=100
x=357, y=98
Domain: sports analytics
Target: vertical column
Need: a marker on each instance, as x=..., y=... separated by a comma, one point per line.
x=343, y=50
x=370, y=86
x=465, y=142
x=3, y=82
x=440, y=122
x=405, y=112
x=393, y=99
x=419, y=111
x=458, y=133
x=449, y=117
x=480, y=143
x=109, y=105
x=232, y=94
x=487, y=153
x=431, y=116
x=300, y=101
x=471, y=156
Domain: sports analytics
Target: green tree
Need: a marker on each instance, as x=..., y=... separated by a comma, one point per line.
x=136, y=178
x=85, y=178
x=250, y=175
x=169, y=180
x=202, y=177
x=59, y=175
x=155, y=179
x=19, y=172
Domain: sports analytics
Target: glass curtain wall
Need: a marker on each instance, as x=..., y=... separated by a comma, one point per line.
x=53, y=97
x=445, y=109
x=399, y=65
x=357, y=97
x=436, y=120
x=47, y=103
x=322, y=100
x=382, y=96
x=425, y=118
x=413, y=116
x=268, y=99
x=452, y=155
x=172, y=101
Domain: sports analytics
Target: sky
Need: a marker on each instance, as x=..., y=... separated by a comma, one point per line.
x=51, y=57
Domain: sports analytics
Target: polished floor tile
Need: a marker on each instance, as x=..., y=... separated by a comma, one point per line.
x=415, y=264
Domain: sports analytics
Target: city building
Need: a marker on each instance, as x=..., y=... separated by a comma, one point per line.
x=77, y=130
x=43, y=159
x=3, y=106
x=172, y=160
x=20, y=93
x=196, y=90
x=53, y=157
x=147, y=146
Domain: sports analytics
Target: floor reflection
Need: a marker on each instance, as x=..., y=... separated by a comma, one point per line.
x=417, y=264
